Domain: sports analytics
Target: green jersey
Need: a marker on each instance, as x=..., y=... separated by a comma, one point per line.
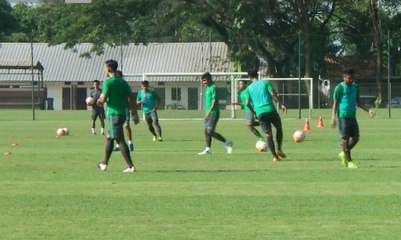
x=259, y=96
x=148, y=99
x=117, y=90
x=210, y=95
x=243, y=96
x=346, y=96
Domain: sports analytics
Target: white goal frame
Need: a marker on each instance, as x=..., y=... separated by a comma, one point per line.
x=233, y=77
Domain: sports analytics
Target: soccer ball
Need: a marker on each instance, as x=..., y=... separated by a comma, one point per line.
x=66, y=132
x=89, y=101
x=59, y=132
x=261, y=146
x=298, y=136
x=62, y=132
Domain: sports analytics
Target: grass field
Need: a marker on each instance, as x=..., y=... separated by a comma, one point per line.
x=51, y=189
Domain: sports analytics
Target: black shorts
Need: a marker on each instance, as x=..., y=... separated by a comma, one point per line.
x=267, y=119
x=97, y=112
x=116, y=123
x=348, y=127
x=212, y=121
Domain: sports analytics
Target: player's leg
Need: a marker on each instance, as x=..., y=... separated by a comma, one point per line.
x=93, y=118
x=208, y=137
x=155, y=120
x=276, y=121
x=108, y=147
x=266, y=128
x=353, y=140
x=101, y=117
x=251, y=123
x=345, y=131
x=149, y=122
x=118, y=122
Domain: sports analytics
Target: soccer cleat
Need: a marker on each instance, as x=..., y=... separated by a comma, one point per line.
x=129, y=170
x=154, y=139
x=205, y=152
x=93, y=133
x=160, y=139
x=276, y=159
x=117, y=148
x=102, y=166
x=281, y=154
x=341, y=155
x=352, y=165
x=131, y=147
x=228, y=145
x=102, y=133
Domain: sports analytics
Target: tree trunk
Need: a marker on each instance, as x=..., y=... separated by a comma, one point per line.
x=378, y=42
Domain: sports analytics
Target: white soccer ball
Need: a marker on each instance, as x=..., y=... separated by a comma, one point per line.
x=89, y=101
x=66, y=132
x=59, y=132
x=298, y=136
x=261, y=146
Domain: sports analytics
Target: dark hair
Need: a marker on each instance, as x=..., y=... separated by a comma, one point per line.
x=145, y=83
x=119, y=73
x=206, y=76
x=112, y=65
x=253, y=73
x=349, y=71
x=96, y=81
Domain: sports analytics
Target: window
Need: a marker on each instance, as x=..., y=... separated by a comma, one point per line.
x=176, y=94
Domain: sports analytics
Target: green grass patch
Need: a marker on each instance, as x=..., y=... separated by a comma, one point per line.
x=51, y=189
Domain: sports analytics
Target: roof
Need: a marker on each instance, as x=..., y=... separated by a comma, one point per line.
x=20, y=65
x=66, y=64
x=364, y=67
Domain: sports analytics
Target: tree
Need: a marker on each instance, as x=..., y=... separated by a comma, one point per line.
x=7, y=21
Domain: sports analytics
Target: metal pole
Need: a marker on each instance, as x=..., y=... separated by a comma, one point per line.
x=210, y=51
x=299, y=75
x=388, y=74
x=32, y=78
x=121, y=52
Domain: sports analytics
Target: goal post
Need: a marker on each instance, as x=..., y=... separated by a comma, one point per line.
x=184, y=91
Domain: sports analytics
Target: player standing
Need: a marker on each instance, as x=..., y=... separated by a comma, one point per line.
x=115, y=92
x=346, y=99
x=97, y=110
x=212, y=116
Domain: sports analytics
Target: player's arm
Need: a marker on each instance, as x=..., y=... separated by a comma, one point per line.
x=334, y=113
x=133, y=109
x=157, y=102
x=274, y=96
x=101, y=99
x=364, y=108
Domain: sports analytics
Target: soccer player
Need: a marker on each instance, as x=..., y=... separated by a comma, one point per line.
x=248, y=115
x=115, y=92
x=97, y=110
x=260, y=97
x=150, y=102
x=346, y=99
x=127, y=126
x=212, y=116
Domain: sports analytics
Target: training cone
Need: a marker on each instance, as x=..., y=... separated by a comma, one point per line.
x=306, y=126
x=320, y=122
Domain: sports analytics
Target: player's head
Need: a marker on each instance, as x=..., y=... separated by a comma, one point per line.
x=145, y=85
x=253, y=74
x=242, y=84
x=348, y=75
x=96, y=83
x=206, y=78
x=111, y=67
x=119, y=73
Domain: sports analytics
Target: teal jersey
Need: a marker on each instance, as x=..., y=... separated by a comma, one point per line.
x=210, y=95
x=117, y=90
x=243, y=96
x=259, y=96
x=346, y=96
x=148, y=99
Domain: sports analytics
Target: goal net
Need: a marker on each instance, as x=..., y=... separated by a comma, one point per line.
x=181, y=94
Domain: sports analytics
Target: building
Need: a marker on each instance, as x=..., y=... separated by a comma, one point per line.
x=66, y=76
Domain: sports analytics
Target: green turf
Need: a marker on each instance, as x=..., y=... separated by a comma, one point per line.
x=51, y=189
